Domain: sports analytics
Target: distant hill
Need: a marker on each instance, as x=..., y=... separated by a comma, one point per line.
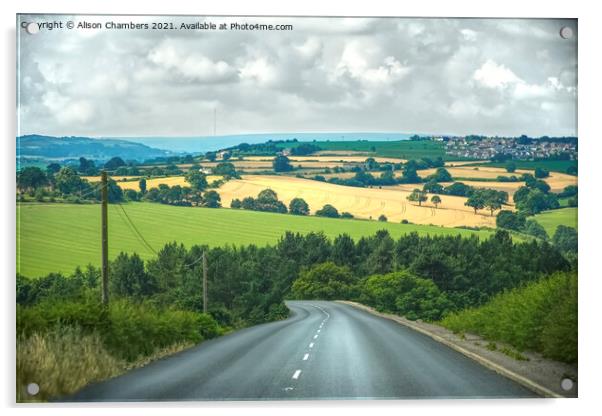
x=202, y=144
x=45, y=148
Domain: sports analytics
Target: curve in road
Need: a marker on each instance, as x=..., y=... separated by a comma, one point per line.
x=324, y=350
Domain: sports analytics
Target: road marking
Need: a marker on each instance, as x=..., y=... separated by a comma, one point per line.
x=311, y=345
x=315, y=336
x=296, y=375
x=305, y=357
x=318, y=331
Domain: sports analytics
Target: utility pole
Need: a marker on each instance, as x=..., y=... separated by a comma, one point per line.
x=105, y=238
x=204, y=283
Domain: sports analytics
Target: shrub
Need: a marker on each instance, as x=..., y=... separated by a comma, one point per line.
x=405, y=294
x=541, y=316
x=328, y=211
x=324, y=281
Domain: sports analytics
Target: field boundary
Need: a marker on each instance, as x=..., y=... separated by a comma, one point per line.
x=521, y=379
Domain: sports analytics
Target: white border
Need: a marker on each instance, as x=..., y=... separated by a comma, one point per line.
x=590, y=153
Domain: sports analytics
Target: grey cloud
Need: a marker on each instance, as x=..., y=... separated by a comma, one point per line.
x=448, y=76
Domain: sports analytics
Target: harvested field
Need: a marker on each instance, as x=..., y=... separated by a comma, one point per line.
x=361, y=202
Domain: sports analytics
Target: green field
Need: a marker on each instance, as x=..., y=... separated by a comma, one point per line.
x=59, y=237
x=552, y=219
x=551, y=165
x=404, y=149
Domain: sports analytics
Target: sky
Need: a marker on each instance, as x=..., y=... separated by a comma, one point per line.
x=502, y=77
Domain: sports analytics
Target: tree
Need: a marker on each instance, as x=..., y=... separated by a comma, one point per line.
x=128, y=277
x=114, y=163
x=433, y=188
x=441, y=175
x=328, y=211
x=114, y=192
x=236, y=204
x=541, y=172
x=510, y=220
x=510, y=167
x=436, y=200
x=458, y=189
x=197, y=180
x=87, y=167
x=535, y=229
x=282, y=163
x=226, y=155
x=131, y=195
x=346, y=214
x=31, y=178
x=142, y=185
x=226, y=169
x=211, y=156
x=298, y=206
x=382, y=218
x=324, y=281
x=211, y=199
x=476, y=201
x=67, y=181
x=565, y=239
x=417, y=196
x=410, y=172
x=52, y=168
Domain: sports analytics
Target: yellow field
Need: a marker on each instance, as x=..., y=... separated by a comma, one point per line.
x=316, y=158
x=557, y=181
x=361, y=202
x=151, y=183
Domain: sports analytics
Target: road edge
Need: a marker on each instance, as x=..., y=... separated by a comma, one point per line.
x=522, y=380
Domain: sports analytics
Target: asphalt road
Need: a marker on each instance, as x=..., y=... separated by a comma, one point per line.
x=325, y=350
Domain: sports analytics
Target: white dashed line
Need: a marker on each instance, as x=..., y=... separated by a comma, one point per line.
x=311, y=345
x=296, y=375
x=305, y=357
x=315, y=336
x=318, y=331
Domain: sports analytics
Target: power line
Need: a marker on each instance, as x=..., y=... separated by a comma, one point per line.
x=133, y=226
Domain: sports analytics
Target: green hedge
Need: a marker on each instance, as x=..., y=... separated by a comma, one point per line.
x=128, y=330
x=541, y=316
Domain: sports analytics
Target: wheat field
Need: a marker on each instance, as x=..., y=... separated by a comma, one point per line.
x=361, y=202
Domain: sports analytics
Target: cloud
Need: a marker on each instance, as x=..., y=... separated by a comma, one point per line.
x=446, y=76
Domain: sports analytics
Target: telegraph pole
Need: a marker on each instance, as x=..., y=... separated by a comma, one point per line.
x=204, y=283
x=105, y=238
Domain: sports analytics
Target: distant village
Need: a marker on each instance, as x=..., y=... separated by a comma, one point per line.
x=523, y=148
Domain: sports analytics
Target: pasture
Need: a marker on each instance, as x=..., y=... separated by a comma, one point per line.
x=550, y=220
x=59, y=237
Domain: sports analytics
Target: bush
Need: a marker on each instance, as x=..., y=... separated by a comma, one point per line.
x=129, y=330
x=405, y=294
x=541, y=316
x=324, y=281
x=382, y=218
x=328, y=211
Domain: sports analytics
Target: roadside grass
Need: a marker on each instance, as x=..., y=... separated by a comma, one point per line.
x=541, y=316
x=61, y=362
x=550, y=220
x=60, y=237
x=63, y=346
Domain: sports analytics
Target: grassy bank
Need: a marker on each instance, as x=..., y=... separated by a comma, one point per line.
x=63, y=346
x=59, y=237
x=541, y=316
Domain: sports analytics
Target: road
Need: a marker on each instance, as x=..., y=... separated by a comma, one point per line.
x=325, y=350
